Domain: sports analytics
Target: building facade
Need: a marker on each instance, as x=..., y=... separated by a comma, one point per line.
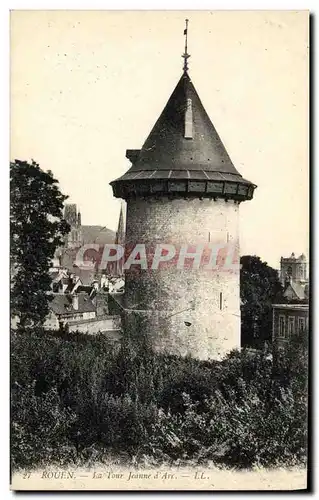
x=183, y=189
x=289, y=320
x=66, y=308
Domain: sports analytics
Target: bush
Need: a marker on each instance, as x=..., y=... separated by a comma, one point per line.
x=40, y=426
x=74, y=397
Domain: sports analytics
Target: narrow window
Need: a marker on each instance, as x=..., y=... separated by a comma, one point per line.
x=188, y=120
x=291, y=326
x=282, y=326
x=301, y=324
x=221, y=301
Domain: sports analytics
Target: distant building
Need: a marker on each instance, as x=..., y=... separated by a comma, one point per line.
x=293, y=270
x=291, y=317
x=294, y=277
x=82, y=234
x=74, y=237
x=66, y=308
x=83, y=314
x=66, y=256
x=63, y=281
x=296, y=291
x=288, y=320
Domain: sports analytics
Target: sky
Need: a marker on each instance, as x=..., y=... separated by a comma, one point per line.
x=87, y=85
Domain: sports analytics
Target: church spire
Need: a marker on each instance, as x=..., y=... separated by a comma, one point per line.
x=185, y=56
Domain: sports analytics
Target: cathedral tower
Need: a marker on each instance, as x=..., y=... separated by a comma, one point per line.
x=183, y=189
x=72, y=217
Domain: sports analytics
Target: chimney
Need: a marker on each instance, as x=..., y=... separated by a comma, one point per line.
x=75, y=302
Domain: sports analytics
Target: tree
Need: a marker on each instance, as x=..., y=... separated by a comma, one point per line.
x=292, y=360
x=259, y=289
x=37, y=228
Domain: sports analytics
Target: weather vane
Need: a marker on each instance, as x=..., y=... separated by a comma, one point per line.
x=185, y=56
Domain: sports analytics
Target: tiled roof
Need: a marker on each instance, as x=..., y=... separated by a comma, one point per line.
x=298, y=289
x=62, y=304
x=97, y=234
x=54, y=275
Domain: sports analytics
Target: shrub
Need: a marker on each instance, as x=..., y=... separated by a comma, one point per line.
x=39, y=428
x=74, y=397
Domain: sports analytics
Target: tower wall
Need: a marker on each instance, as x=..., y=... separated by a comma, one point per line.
x=182, y=311
x=295, y=268
x=74, y=237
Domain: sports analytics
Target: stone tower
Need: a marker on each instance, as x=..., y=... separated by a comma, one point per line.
x=120, y=240
x=293, y=269
x=183, y=189
x=74, y=237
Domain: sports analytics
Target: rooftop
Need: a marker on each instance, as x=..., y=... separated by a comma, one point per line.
x=183, y=154
x=300, y=290
x=303, y=307
x=63, y=304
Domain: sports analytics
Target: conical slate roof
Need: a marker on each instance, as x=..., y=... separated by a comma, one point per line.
x=184, y=148
x=167, y=148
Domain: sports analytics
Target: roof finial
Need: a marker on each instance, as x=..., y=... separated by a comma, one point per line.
x=185, y=55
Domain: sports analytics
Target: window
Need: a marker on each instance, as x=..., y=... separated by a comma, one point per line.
x=291, y=326
x=188, y=120
x=282, y=329
x=221, y=301
x=301, y=324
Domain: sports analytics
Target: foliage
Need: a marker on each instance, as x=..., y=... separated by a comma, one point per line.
x=36, y=229
x=75, y=397
x=259, y=289
x=40, y=426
